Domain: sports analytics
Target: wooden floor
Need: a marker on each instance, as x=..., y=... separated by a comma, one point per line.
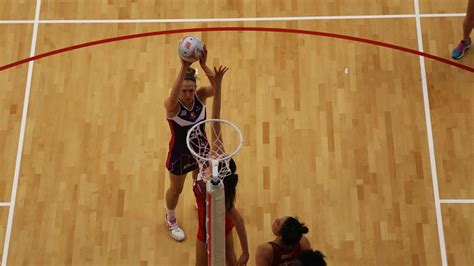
x=335, y=132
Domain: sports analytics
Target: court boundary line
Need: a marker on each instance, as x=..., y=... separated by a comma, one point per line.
x=457, y=201
x=250, y=19
x=241, y=29
x=429, y=133
x=417, y=16
x=21, y=138
x=5, y=204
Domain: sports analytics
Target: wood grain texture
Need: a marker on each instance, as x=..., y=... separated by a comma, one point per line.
x=3, y=227
x=452, y=110
x=459, y=233
x=442, y=6
x=124, y=9
x=17, y=40
x=346, y=153
x=17, y=9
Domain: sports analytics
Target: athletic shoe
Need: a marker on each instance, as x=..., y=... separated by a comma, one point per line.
x=175, y=231
x=458, y=52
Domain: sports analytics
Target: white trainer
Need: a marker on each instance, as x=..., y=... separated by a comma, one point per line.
x=175, y=231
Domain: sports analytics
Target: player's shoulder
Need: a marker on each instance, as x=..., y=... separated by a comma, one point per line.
x=172, y=109
x=264, y=254
x=265, y=249
x=304, y=243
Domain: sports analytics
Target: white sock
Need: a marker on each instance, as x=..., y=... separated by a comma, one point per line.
x=171, y=215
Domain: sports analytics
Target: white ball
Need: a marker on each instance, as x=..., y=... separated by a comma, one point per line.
x=190, y=49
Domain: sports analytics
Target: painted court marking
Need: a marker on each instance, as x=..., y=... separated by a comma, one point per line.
x=457, y=201
x=422, y=55
x=197, y=20
x=21, y=139
x=429, y=133
x=241, y=29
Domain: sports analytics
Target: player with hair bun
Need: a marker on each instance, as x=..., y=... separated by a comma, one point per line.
x=185, y=106
x=287, y=245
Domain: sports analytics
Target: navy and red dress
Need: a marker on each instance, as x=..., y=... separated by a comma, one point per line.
x=180, y=160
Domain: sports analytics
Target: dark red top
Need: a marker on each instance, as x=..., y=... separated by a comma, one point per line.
x=284, y=257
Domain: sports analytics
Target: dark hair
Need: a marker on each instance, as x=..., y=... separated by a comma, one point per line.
x=230, y=184
x=190, y=74
x=291, y=231
x=230, y=164
x=311, y=258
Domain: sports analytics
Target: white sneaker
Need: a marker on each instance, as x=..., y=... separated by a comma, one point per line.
x=175, y=232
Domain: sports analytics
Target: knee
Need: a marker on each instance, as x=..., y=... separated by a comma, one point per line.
x=176, y=184
x=176, y=190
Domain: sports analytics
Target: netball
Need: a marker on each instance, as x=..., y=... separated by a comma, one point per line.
x=190, y=49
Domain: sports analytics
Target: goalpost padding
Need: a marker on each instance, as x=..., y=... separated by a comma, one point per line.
x=215, y=223
x=213, y=157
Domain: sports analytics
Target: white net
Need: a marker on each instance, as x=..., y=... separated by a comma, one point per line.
x=212, y=153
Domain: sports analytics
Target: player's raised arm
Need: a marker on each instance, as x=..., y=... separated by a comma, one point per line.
x=171, y=102
x=208, y=91
x=216, y=137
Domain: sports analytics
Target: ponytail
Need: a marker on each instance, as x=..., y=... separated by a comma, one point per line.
x=230, y=184
x=292, y=231
x=190, y=74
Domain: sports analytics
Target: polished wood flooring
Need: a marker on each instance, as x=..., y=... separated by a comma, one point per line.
x=335, y=132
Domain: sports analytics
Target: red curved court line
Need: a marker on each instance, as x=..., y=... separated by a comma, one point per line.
x=306, y=32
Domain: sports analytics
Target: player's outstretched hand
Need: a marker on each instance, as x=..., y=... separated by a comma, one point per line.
x=219, y=73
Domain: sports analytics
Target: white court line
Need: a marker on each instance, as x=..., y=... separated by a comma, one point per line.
x=443, y=15
x=98, y=21
x=17, y=21
x=457, y=201
x=429, y=132
x=5, y=204
x=308, y=18
x=22, y=136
